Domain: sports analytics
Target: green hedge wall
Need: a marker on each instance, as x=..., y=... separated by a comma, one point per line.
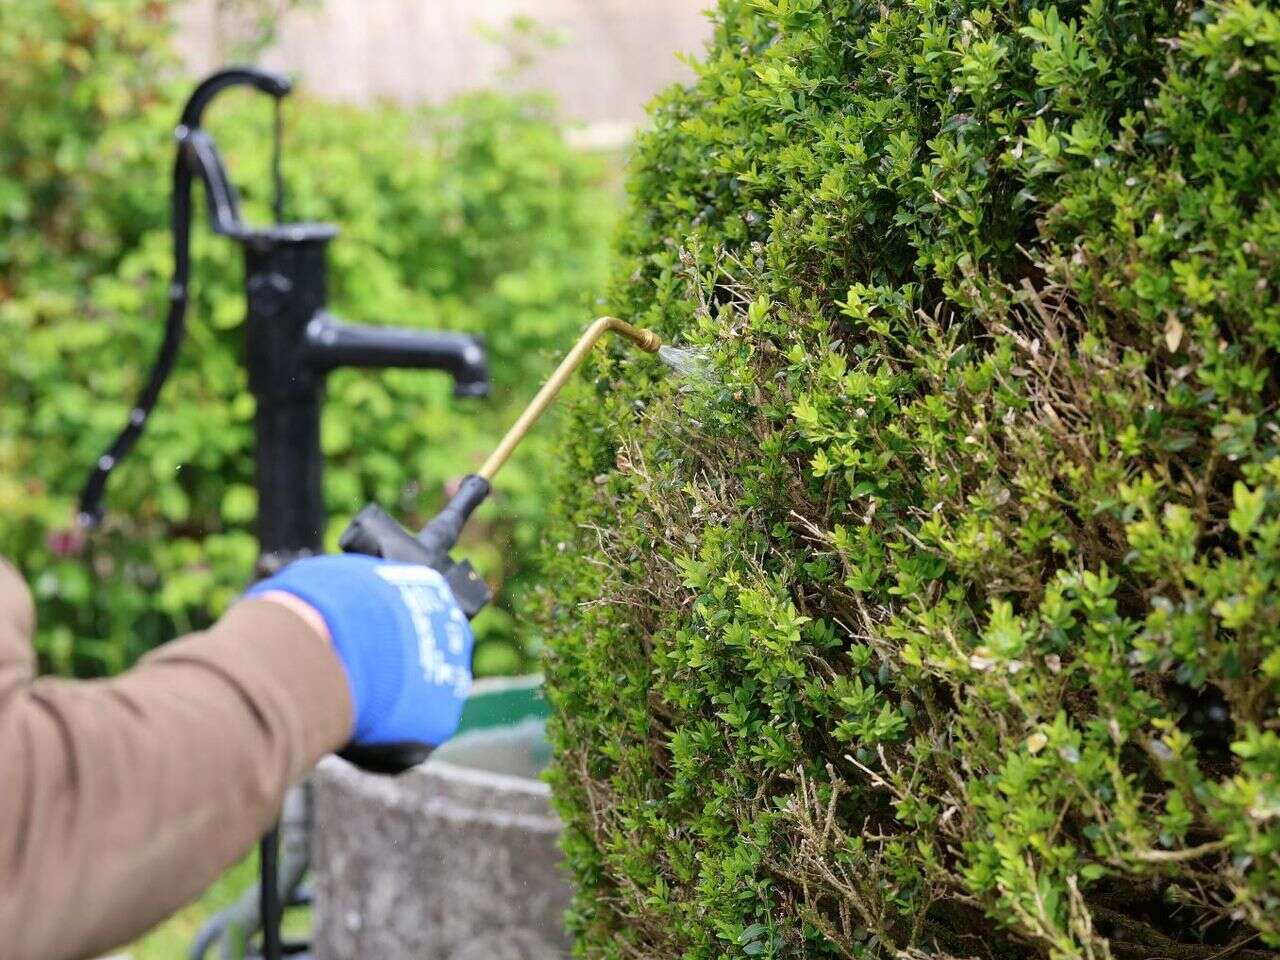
x=942, y=621
x=473, y=216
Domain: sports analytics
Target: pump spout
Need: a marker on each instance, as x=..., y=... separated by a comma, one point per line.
x=331, y=344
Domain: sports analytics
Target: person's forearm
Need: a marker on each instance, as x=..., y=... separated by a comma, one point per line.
x=120, y=800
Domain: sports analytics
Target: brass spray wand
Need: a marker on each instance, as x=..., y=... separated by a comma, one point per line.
x=375, y=533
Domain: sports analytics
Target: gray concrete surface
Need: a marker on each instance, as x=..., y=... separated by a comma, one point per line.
x=441, y=863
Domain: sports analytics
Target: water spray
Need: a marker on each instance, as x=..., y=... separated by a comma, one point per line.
x=684, y=361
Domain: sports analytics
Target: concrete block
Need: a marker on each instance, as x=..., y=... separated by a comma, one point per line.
x=446, y=862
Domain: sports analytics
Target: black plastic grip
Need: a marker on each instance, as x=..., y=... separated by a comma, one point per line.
x=388, y=758
x=441, y=534
x=375, y=533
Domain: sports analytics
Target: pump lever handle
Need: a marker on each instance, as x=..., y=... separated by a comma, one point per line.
x=273, y=84
x=198, y=150
x=197, y=157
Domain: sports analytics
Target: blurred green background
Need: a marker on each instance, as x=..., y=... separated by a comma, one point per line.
x=475, y=216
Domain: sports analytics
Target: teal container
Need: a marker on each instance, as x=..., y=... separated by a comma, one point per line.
x=503, y=729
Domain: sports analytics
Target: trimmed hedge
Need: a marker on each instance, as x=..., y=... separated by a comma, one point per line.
x=942, y=621
x=475, y=215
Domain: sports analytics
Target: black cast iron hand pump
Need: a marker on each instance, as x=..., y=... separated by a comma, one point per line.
x=291, y=341
x=291, y=344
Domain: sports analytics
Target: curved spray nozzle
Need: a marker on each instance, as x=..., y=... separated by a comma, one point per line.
x=646, y=340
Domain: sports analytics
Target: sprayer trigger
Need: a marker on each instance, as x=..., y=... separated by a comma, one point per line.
x=468, y=587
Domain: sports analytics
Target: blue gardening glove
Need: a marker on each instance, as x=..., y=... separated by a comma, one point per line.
x=401, y=636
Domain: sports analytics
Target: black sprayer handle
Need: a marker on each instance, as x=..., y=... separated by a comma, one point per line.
x=376, y=533
x=441, y=533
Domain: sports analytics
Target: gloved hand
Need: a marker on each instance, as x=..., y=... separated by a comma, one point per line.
x=401, y=636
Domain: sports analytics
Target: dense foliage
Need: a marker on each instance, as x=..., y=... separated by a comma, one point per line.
x=473, y=216
x=942, y=618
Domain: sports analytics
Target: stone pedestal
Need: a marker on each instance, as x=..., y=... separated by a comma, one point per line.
x=445, y=862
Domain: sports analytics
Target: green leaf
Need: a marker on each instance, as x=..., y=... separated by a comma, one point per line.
x=1248, y=508
x=239, y=504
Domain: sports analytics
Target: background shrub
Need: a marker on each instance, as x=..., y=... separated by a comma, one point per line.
x=943, y=620
x=474, y=216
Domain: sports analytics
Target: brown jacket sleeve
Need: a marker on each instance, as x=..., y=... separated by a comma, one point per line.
x=122, y=799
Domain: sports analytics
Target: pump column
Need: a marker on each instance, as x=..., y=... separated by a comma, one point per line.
x=285, y=287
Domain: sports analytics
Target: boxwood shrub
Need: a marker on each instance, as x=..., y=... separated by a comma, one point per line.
x=939, y=618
